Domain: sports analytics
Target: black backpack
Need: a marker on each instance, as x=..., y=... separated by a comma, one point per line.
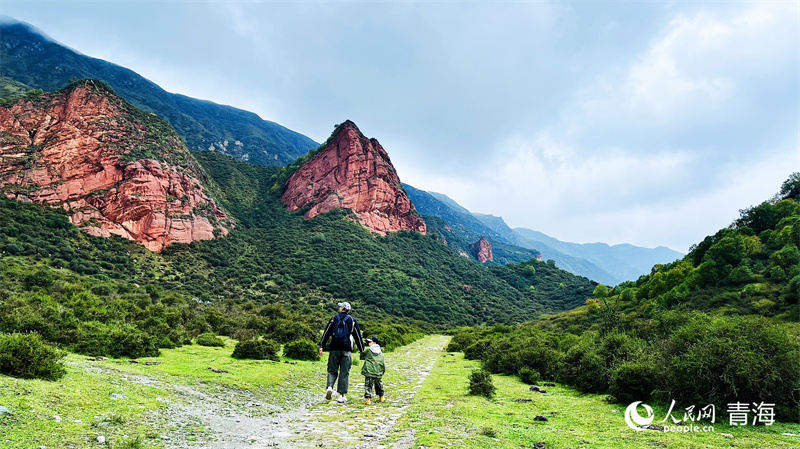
x=341, y=329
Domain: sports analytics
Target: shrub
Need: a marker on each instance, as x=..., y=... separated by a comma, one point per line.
x=41, y=278
x=489, y=432
x=736, y=359
x=528, y=375
x=479, y=349
x=114, y=340
x=29, y=357
x=209, y=339
x=585, y=369
x=480, y=384
x=460, y=340
x=301, y=350
x=634, y=381
x=257, y=349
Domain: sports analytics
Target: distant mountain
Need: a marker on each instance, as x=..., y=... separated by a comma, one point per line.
x=449, y=202
x=624, y=261
x=459, y=230
x=33, y=59
x=576, y=265
x=599, y=262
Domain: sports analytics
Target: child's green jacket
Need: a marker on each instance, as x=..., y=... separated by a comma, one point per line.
x=373, y=363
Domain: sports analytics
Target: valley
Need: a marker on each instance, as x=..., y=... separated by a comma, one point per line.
x=167, y=265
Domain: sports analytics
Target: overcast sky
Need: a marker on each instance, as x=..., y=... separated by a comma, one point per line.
x=643, y=123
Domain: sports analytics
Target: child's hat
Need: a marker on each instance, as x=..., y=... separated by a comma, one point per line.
x=374, y=339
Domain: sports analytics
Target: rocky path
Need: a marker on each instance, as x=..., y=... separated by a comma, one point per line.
x=226, y=420
x=356, y=425
x=232, y=418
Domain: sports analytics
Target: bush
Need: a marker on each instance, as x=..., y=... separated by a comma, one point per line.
x=489, y=432
x=209, y=339
x=528, y=375
x=736, y=359
x=29, y=357
x=257, y=349
x=634, y=381
x=41, y=278
x=480, y=384
x=461, y=340
x=114, y=340
x=301, y=350
x=585, y=369
x=479, y=349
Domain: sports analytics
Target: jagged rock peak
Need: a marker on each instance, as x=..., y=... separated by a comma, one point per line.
x=114, y=168
x=352, y=172
x=482, y=250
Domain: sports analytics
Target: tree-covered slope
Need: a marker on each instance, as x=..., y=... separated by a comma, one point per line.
x=273, y=256
x=32, y=59
x=403, y=274
x=717, y=327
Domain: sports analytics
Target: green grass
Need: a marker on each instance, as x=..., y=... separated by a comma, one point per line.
x=440, y=415
x=82, y=399
x=443, y=415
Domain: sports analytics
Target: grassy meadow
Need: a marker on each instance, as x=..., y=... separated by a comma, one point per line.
x=443, y=415
x=121, y=400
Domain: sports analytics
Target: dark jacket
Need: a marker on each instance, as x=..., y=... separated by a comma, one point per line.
x=355, y=332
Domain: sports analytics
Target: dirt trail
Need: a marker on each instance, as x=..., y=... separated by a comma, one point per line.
x=356, y=425
x=232, y=419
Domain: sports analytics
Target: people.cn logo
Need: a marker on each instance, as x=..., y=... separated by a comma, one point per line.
x=634, y=420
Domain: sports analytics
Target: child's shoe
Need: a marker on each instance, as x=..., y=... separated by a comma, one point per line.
x=368, y=401
x=341, y=399
x=383, y=398
x=329, y=393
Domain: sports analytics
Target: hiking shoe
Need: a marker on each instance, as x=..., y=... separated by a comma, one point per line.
x=341, y=399
x=383, y=398
x=329, y=393
x=368, y=401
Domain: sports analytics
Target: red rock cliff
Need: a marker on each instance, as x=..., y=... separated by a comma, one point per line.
x=118, y=170
x=482, y=250
x=353, y=172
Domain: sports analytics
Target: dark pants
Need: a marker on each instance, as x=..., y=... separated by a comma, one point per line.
x=339, y=366
x=370, y=382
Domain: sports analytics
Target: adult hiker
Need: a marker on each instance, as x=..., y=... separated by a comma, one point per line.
x=340, y=328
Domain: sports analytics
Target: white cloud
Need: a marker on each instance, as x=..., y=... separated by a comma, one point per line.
x=700, y=66
x=662, y=151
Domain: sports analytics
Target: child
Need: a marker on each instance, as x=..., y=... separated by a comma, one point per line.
x=373, y=369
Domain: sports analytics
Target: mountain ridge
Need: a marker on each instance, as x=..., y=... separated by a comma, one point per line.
x=32, y=58
x=608, y=269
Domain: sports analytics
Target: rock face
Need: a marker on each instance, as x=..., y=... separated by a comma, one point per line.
x=482, y=250
x=116, y=169
x=353, y=172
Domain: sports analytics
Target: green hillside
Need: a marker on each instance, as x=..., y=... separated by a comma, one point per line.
x=716, y=327
x=276, y=275
x=403, y=274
